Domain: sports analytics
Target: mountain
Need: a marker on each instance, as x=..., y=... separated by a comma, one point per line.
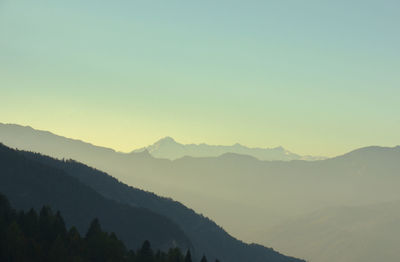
x=31, y=184
x=42, y=236
x=168, y=148
x=249, y=197
x=351, y=233
x=206, y=236
x=25, y=137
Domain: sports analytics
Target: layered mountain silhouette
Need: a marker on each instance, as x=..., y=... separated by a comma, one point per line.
x=81, y=193
x=29, y=183
x=168, y=148
x=247, y=196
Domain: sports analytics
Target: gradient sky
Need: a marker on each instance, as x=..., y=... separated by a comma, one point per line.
x=317, y=77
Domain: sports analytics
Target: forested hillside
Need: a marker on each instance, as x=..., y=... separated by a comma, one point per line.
x=30, y=184
x=44, y=237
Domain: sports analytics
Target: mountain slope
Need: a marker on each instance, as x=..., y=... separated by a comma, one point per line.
x=42, y=236
x=29, y=183
x=354, y=233
x=207, y=237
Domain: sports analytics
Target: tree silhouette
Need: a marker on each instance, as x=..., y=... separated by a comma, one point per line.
x=44, y=238
x=188, y=256
x=203, y=259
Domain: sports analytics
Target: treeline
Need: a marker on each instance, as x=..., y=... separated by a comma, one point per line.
x=29, y=236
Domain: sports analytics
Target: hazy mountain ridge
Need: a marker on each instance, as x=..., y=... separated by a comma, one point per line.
x=28, y=138
x=371, y=232
x=258, y=194
x=168, y=148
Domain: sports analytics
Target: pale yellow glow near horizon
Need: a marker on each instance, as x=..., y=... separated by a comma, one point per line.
x=126, y=139
x=260, y=74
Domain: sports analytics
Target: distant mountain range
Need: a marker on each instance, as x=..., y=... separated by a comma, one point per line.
x=168, y=148
x=247, y=196
x=25, y=137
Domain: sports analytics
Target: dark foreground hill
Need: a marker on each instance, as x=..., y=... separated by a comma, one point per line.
x=31, y=184
x=43, y=237
x=205, y=236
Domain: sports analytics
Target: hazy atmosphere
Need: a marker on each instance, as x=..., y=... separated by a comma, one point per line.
x=211, y=131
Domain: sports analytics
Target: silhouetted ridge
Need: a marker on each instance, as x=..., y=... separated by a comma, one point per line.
x=235, y=156
x=168, y=148
x=30, y=183
x=372, y=151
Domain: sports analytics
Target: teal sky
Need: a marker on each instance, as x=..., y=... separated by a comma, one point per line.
x=317, y=77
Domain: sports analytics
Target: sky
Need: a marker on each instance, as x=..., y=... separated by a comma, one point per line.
x=316, y=77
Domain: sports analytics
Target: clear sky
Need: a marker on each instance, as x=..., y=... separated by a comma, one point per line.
x=317, y=77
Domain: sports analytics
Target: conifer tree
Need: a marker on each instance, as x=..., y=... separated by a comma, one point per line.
x=203, y=259
x=94, y=229
x=188, y=257
x=145, y=253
